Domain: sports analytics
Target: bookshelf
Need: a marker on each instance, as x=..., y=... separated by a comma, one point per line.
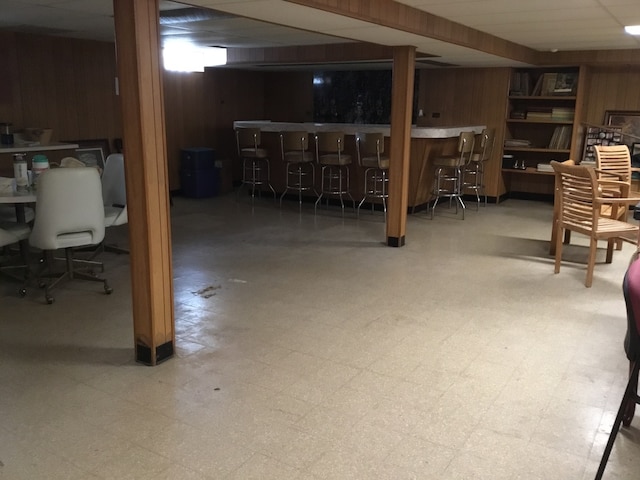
x=541, y=122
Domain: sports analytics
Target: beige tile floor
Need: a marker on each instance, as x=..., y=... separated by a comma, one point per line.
x=306, y=349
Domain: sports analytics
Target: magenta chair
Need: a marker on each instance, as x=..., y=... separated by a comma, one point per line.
x=631, y=290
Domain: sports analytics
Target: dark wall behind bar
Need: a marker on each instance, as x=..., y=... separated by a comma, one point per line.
x=352, y=97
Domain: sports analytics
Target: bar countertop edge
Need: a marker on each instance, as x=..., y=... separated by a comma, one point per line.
x=352, y=128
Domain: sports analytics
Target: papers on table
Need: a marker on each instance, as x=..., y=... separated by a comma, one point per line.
x=6, y=185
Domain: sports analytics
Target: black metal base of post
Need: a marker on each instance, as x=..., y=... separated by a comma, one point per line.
x=395, y=241
x=163, y=352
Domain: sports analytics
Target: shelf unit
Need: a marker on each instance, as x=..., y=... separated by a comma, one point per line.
x=541, y=122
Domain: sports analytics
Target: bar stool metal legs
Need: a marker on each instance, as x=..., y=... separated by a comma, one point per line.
x=255, y=174
x=376, y=182
x=335, y=182
x=255, y=161
x=300, y=171
x=301, y=177
x=449, y=173
x=370, y=150
x=334, y=167
x=474, y=180
x=448, y=184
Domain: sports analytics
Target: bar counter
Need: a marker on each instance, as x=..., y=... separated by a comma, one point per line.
x=426, y=142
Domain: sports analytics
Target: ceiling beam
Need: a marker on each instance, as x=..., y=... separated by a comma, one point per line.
x=405, y=18
x=311, y=54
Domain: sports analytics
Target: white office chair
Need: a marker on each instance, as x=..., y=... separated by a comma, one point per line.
x=69, y=214
x=114, y=195
x=15, y=233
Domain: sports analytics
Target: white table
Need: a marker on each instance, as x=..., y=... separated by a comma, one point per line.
x=33, y=147
x=8, y=195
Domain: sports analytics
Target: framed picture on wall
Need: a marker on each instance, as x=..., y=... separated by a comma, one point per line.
x=628, y=122
x=91, y=157
x=102, y=143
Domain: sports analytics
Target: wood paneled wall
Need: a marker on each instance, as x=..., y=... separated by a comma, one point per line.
x=468, y=96
x=611, y=88
x=69, y=85
x=290, y=96
x=64, y=84
x=185, y=118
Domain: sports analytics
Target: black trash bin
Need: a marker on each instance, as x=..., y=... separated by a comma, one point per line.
x=199, y=177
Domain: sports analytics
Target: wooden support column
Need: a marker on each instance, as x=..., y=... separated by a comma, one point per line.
x=400, y=143
x=140, y=84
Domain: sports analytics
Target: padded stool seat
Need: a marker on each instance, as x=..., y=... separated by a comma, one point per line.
x=253, y=152
x=334, y=159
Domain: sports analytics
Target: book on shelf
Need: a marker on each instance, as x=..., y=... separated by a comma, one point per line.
x=561, y=138
x=555, y=83
x=548, y=85
x=539, y=113
x=544, y=167
x=563, y=113
x=566, y=83
x=516, y=142
x=520, y=84
x=538, y=86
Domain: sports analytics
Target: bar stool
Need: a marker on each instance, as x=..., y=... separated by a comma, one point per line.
x=370, y=149
x=335, y=167
x=474, y=171
x=448, y=180
x=255, y=160
x=300, y=171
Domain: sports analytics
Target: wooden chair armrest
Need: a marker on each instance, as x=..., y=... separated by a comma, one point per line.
x=616, y=200
x=611, y=174
x=612, y=183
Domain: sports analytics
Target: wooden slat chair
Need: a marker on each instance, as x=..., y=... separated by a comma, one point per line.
x=613, y=166
x=579, y=209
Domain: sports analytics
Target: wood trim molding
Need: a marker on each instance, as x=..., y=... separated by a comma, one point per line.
x=591, y=57
x=314, y=54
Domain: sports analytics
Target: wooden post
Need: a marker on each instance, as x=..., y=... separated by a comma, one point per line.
x=400, y=143
x=140, y=85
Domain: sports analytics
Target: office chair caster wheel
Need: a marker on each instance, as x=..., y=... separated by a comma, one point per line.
x=49, y=299
x=108, y=290
x=22, y=292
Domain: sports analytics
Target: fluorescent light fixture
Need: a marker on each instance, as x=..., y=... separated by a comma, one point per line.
x=632, y=29
x=186, y=57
